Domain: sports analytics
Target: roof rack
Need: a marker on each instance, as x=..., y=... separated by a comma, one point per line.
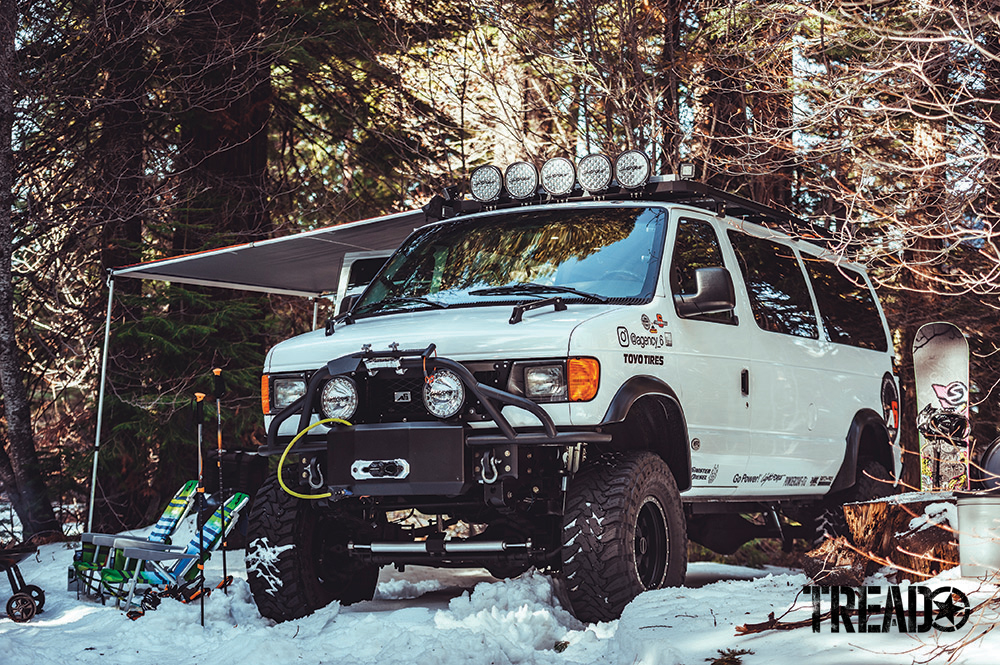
x=660, y=188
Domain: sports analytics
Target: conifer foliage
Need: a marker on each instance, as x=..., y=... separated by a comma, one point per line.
x=138, y=130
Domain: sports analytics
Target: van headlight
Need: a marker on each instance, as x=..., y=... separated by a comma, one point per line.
x=286, y=391
x=444, y=394
x=545, y=382
x=574, y=379
x=339, y=398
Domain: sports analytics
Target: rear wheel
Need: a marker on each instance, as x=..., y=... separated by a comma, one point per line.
x=297, y=559
x=623, y=533
x=36, y=594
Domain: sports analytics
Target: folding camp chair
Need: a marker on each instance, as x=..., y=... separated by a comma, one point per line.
x=145, y=564
x=97, y=548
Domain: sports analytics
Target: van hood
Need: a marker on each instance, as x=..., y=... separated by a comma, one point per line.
x=466, y=334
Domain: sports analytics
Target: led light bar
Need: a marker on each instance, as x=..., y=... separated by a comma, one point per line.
x=632, y=169
x=485, y=183
x=558, y=176
x=521, y=180
x=594, y=173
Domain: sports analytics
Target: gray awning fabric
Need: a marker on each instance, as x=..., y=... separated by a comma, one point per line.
x=305, y=264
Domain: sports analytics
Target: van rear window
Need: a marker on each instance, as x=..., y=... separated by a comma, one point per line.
x=846, y=305
x=776, y=286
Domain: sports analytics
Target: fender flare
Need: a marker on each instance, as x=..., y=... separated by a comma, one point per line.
x=865, y=418
x=638, y=387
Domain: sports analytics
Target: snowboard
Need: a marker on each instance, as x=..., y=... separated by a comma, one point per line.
x=941, y=370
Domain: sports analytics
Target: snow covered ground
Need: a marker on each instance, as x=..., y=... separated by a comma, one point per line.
x=467, y=617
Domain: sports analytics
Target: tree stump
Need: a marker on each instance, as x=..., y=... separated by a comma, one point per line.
x=834, y=563
x=913, y=533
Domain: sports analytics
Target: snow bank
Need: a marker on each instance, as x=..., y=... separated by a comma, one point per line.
x=449, y=617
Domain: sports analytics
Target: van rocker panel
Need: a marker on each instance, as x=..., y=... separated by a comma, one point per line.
x=433, y=454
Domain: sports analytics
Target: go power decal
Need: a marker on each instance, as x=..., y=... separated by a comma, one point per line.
x=653, y=337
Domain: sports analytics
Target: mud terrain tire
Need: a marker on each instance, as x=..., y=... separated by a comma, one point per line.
x=291, y=568
x=623, y=533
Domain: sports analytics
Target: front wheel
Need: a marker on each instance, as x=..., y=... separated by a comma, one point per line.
x=623, y=533
x=297, y=559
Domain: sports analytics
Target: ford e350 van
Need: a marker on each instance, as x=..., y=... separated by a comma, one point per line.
x=575, y=370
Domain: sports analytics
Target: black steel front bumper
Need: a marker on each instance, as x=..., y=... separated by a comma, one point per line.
x=439, y=453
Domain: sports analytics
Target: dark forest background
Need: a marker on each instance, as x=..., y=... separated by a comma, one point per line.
x=134, y=130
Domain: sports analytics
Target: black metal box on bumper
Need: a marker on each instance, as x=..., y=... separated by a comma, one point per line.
x=394, y=459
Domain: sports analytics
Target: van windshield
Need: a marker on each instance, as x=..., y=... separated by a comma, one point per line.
x=584, y=255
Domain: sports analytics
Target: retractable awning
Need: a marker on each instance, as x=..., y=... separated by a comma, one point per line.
x=305, y=264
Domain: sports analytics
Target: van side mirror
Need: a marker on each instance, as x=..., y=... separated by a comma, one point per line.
x=714, y=294
x=348, y=302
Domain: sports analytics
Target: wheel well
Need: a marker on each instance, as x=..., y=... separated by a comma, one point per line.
x=867, y=438
x=655, y=423
x=874, y=443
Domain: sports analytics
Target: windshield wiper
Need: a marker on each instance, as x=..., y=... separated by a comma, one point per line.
x=401, y=300
x=531, y=288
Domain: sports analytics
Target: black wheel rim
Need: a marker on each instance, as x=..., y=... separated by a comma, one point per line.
x=651, y=548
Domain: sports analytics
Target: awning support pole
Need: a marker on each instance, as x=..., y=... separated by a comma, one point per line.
x=315, y=313
x=100, y=401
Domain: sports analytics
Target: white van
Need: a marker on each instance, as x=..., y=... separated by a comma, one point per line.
x=576, y=380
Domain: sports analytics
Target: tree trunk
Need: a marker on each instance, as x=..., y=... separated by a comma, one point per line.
x=20, y=472
x=224, y=127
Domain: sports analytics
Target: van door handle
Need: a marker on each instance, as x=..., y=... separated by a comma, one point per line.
x=745, y=382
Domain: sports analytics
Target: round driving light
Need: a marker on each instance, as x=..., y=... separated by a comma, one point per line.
x=558, y=176
x=594, y=173
x=521, y=180
x=485, y=183
x=632, y=169
x=444, y=394
x=339, y=398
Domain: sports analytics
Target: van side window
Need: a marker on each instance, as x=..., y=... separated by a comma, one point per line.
x=363, y=271
x=776, y=286
x=696, y=246
x=846, y=305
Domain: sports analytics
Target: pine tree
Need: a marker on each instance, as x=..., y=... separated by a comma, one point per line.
x=20, y=471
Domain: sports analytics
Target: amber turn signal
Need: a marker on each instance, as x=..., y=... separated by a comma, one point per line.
x=584, y=378
x=265, y=394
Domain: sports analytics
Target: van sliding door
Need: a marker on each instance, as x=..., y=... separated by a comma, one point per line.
x=791, y=386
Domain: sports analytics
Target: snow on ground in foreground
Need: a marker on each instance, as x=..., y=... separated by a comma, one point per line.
x=464, y=616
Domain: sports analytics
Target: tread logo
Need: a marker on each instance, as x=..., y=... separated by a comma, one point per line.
x=945, y=609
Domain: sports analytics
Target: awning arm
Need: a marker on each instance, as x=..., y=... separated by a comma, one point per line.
x=100, y=400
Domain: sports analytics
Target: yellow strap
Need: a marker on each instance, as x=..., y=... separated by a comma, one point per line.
x=288, y=448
